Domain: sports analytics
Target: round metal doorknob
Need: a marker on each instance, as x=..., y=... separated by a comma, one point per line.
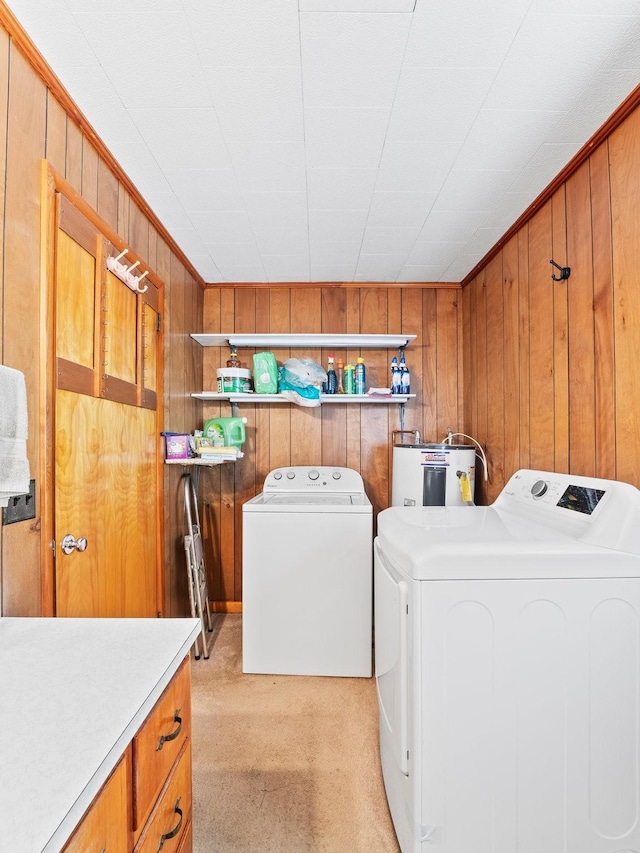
x=70, y=544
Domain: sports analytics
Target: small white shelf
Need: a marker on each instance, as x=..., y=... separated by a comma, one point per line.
x=198, y=460
x=324, y=398
x=312, y=340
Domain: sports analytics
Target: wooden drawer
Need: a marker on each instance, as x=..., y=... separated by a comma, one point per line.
x=169, y=827
x=159, y=742
x=104, y=828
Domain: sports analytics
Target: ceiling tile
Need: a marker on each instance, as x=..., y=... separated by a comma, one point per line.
x=379, y=267
x=424, y=272
x=326, y=272
x=463, y=34
x=335, y=189
x=356, y=5
x=277, y=240
x=171, y=132
x=400, y=209
x=234, y=255
x=437, y=104
x=289, y=209
x=247, y=33
x=337, y=225
x=440, y=225
x=261, y=104
x=334, y=253
x=206, y=189
x=286, y=267
x=425, y=254
x=165, y=68
x=388, y=241
x=465, y=189
x=222, y=226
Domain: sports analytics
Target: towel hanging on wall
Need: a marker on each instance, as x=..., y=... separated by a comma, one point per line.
x=14, y=465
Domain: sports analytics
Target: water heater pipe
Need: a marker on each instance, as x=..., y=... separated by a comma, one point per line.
x=479, y=452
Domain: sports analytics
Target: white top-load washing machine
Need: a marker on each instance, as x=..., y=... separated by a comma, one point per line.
x=307, y=574
x=508, y=669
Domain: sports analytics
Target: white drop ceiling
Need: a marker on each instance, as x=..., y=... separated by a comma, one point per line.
x=340, y=140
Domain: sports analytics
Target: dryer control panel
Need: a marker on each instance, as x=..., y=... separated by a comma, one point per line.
x=602, y=512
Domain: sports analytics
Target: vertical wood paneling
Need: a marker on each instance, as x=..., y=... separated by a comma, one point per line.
x=574, y=365
x=334, y=424
x=511, y=363
x=494, y=446
x=580, y=296
x=541, y=344
x=26, y=128
x=624, y=145
x=108, y=200
x=355, y=436
x=56, y=146
x=73, y=166
x=523, y=413
x=605, y=401
x=560, y=337
x=90, y=184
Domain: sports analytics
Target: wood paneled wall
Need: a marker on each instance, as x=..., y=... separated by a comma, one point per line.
x=355, y=436
x=551, y=369
x=34, y=125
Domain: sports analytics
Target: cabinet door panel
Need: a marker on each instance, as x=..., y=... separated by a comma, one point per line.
x=105, y=826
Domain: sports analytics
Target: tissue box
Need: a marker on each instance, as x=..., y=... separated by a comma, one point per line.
x=177, y=446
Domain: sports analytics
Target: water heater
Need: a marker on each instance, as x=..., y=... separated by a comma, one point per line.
x=433, y=475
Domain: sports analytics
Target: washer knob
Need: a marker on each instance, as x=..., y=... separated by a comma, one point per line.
x=539, y=488
x=336, y=475
x=277, y=475
x=290, y=475
x=313, y=474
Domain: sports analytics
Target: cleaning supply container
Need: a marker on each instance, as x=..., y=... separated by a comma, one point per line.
x=233, y=380
x=226, y=432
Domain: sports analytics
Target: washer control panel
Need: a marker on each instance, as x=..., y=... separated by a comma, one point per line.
x=302, y=478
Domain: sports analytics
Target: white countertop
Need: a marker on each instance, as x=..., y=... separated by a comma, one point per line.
x=73, y=693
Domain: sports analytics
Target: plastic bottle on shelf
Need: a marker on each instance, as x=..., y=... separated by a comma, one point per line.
x=340, y=377
x=332, y=380
x=233, y=360
x=395, y=376
x=349, y=386
x=405, y=377
x=359, y=377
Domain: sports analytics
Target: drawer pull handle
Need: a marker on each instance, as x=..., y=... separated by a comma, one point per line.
x=174, y=734
x=175, y=830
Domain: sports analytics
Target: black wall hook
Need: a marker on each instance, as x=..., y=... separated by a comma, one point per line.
x=565, y=272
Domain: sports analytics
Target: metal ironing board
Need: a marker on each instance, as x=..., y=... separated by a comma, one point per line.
x=196, y=569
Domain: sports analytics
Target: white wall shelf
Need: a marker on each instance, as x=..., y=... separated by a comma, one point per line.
x=312, y=340
x=324, y=398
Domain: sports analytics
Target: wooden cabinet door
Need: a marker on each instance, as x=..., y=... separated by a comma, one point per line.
x=106, y=427
x=104, y=828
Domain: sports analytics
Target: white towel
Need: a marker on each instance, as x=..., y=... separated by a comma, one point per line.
x=14, y=465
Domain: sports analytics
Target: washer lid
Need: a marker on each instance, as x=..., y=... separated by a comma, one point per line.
x=295, y=502
x=482, y=543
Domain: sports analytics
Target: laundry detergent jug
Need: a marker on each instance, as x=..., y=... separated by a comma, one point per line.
x=227, y=432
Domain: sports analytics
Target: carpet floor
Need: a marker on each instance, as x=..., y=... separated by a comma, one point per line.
x=283, y=763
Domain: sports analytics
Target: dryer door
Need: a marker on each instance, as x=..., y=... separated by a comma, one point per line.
x=391, y=636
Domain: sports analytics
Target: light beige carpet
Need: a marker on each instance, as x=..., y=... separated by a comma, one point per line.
x=283, y=763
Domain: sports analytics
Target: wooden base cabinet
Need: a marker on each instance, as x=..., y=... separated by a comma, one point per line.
x=145, y=805
x=105, y=828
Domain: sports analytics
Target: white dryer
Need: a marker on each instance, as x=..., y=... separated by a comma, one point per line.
x=307, y=574
x=508, y=669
